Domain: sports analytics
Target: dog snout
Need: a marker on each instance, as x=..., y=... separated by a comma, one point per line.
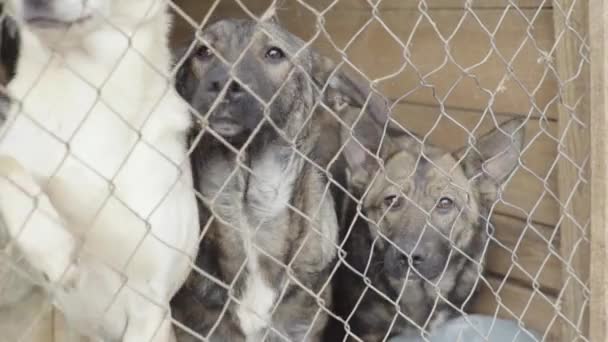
x=217, y=80
x=234, y=88
x=428, y=258
x=417, y=259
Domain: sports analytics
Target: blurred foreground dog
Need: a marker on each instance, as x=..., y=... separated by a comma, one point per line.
x=95, y=182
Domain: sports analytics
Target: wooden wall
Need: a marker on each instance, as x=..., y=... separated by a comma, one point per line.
x=453, y=71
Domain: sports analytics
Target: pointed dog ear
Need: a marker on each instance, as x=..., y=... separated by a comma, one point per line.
x=184, y=78
x=496, y=154
x=364, y=110
x=347, y=89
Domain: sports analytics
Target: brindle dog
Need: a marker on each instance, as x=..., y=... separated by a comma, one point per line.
x=269, y=224
x=421, y=233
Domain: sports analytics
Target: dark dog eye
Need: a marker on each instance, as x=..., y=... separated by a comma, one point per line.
x=275, y=53
x=203, y=52
x=393, y=201
x=445, y=203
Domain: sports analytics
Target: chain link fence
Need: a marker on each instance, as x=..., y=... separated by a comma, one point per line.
x=452, y=146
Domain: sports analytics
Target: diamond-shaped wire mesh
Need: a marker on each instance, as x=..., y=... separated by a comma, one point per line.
x=364, y=170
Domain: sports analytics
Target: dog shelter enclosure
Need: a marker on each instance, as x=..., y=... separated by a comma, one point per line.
x=454, y=70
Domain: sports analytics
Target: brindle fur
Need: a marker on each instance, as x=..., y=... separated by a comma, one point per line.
x=394, y=232
x=248, y=230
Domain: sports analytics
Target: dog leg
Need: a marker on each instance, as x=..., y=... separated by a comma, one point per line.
x=33, y=223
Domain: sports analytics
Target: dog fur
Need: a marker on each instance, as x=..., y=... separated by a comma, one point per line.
x=422, y=230
x=96, y=187
x=269, y=206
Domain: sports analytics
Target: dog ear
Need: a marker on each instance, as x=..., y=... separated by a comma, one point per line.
x=346, y=89
x=496, y=154
x=361, y=151
x=365, y=111
x=183, y=74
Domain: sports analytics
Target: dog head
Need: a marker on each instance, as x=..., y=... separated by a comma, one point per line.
x=71, y=21
x=244, y=74
x=429, y=205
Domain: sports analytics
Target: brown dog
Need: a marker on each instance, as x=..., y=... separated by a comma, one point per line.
x=423, y=227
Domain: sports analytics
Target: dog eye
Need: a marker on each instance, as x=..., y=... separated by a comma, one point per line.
x=393, y=202
x=203, y=52
x=445, y=203
x=275, y=53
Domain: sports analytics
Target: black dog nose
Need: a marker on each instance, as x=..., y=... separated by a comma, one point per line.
x=417, y=260
x=233, y=89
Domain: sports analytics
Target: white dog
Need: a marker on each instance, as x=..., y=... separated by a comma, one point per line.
x=95, y=184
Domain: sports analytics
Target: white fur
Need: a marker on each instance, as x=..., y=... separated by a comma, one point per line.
x=83, y=174
x=257, y=301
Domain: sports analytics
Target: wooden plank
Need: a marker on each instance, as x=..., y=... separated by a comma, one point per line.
x=525, y=252
x=598, y=12
x=386, y=5
x=450, y=58
x=322, y=5
x=507, y=300
x=475, y=4
x=570, y=20
x=474, y=60
x=531, y=193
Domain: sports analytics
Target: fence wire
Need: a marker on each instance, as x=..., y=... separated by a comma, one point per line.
x=442, y=194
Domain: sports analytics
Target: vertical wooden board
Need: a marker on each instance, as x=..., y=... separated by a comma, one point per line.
x=570, y=20
x=598, y=26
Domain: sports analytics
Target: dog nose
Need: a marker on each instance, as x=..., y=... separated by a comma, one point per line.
x=234, y=88
x=417, y=260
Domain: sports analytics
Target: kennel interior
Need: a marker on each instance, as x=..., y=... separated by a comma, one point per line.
x=455, y=68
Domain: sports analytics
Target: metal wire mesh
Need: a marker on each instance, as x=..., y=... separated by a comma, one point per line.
x=451, y=71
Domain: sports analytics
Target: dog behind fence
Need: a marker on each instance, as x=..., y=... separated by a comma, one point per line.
x=303, y=185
